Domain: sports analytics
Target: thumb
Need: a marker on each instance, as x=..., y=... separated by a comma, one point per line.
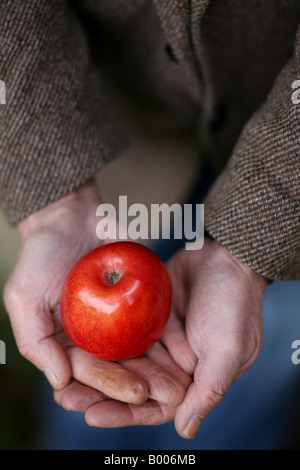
x=213, y=377
x=33, y=330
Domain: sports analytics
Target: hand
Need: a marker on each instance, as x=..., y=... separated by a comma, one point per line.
x=51, y=241
x=218, y=299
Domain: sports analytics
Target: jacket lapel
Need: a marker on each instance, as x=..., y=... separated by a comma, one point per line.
x=180, y=20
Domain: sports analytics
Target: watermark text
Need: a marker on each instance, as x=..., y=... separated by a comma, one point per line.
x=160, y=221
x=2, y=92
x=2, y=352
x=296, y=93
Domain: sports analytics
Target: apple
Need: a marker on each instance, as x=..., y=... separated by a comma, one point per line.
x=116, y=300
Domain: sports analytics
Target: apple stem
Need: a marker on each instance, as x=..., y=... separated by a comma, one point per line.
x=113, y=277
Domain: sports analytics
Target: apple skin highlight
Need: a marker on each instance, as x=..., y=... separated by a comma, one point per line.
x=116, y=301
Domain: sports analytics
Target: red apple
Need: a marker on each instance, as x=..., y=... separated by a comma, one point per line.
x=116, y=300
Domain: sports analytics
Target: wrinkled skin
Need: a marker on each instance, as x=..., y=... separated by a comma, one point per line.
x=213, y=336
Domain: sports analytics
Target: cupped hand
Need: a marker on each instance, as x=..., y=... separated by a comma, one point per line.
x=214, y=334
x=51, y=241
x=220, y=300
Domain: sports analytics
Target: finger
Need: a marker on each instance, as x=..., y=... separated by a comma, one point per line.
x=33, y=330
x=213, y=377
x=77, y=397
x=174, y=338
x=112, y=414
x=159, y=354
x=109, y=378
x=162, y=386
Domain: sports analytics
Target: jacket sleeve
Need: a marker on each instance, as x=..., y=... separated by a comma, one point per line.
x=253, y=208
x=56, y=130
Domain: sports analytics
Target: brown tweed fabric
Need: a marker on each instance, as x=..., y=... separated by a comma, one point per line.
x=56, y=130
x=223, y=66
x=254, y=207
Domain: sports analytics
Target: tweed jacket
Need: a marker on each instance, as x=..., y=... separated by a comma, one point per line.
x=227, y=68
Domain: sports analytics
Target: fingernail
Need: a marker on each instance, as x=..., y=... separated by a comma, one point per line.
x=139, y=394
x=52, y=378
x=192, y=427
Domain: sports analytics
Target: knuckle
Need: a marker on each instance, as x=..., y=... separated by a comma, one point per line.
x=153, y=372
x=14, y=296
x=10, y=295
x=214, y=396
x=25, y=349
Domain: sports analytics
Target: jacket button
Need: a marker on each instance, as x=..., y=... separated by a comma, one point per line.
x=170, y=53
